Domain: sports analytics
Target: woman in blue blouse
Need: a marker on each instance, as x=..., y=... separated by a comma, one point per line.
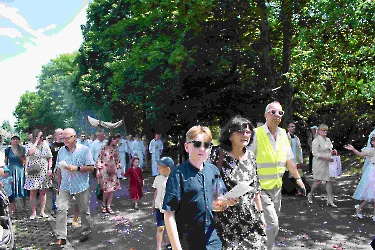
x=15, y=156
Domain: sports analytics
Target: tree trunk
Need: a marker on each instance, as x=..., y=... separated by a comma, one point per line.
x=287, y=87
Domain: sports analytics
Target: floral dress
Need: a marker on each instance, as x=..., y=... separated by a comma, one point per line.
x=239, y=227
x=40, y=156
x=109, y=158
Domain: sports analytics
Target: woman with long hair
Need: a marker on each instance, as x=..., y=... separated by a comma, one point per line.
x=108, y=164
x=40, y=159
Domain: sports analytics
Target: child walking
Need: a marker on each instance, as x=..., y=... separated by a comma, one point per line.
x=136, y=181
x=6, y=181
x=366, y=187
x=165, y=165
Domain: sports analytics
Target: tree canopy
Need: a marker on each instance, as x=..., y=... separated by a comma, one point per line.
x=167, y=65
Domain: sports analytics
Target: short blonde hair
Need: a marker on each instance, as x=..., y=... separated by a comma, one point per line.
x=196, y=130
x=321, y=126
x=164, y=170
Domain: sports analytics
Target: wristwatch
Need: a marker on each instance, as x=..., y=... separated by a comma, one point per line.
x=78, y=168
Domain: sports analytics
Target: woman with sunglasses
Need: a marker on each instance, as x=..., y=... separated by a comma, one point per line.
x=322, y=150
x=241, y=226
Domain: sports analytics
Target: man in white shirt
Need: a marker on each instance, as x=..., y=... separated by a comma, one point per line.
x=156, y=149
x=97, y=144
x=122, y=146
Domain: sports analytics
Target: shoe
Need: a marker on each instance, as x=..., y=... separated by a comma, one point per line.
x=358, y=212
x=44, y=215
x=84, y=238
x=32, y=217
x=331, y=204
x=109, y=210
x=59, y=242
x=104, y=209
x=309, y=198
x=168, y=247
x=75, y=222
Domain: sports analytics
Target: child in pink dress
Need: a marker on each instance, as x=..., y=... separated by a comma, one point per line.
x=136, y=181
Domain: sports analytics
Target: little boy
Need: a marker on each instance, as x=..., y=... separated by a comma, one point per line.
x=165, y=165
x=188, y=196
x=6, y=182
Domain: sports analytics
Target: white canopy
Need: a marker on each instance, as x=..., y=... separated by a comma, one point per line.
x=98, y=123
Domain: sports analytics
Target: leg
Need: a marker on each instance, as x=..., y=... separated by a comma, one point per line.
x=62, y=202
x=330, y=194
x=33, y=202
x=42, y=200
x=363, y=204
x=109, y=202
x=104, y=202
x=159, y=237
x=76, y=212
x=83, y=200
x=270, y=216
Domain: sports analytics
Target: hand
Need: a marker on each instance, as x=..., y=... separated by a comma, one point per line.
x=302, y=186
x=330, y=159
x=263, y=220
x=123, y=174
x=219, y=205
x=334, y=152
x=232, y=201
x=349, y=147
x=50, y=173
x=153, y=208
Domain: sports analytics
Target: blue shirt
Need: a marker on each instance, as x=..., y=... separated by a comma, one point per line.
x=7, y=181
x=95, y=148
x=73, y=181
x=189, y=194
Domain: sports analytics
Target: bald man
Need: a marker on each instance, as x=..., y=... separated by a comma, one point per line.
x=75, y=163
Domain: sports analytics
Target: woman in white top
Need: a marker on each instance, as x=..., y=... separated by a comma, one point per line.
x=322, y=150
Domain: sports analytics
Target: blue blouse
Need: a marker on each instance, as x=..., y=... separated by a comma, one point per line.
x=189, y=194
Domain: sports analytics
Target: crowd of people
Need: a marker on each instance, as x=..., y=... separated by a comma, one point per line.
x=223, y=197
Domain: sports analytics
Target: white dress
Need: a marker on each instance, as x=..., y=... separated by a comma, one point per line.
x=366, y=187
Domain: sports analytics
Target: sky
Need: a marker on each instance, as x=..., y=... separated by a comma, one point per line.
x=32, y=32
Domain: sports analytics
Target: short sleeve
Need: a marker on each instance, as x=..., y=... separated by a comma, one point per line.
x=154, y=185
x=370, y=152
x=173, y=193
x=89, y=160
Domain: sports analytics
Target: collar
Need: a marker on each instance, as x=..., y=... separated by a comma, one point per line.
x=268, y=131
x=75, y=147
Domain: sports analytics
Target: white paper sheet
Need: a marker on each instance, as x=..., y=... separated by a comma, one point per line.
x=62, y=164
x=239, y=190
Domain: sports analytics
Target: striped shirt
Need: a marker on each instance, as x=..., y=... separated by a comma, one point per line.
x=73, y=181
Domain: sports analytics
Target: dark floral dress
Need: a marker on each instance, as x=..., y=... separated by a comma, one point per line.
x=239, y=227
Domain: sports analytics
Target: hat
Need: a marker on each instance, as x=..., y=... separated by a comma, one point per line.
x=15, y=135
x=314, y=127
x=166, y=161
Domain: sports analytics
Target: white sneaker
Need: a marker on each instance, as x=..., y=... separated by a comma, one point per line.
x=358, y=212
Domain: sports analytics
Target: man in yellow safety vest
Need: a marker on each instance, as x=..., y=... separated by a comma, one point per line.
x=273, y=153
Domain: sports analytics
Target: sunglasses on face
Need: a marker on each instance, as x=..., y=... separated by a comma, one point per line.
x=198, y=144
x=276, y=112
x=67, y=138
x=244, y=131
x=324, y=130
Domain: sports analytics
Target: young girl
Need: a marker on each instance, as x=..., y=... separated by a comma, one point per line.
x=136, y=181
x=165, y=165
x=366, y=187
x=6, y=181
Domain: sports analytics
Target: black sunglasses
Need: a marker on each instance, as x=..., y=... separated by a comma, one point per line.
x=274, y=112
x=198, y=144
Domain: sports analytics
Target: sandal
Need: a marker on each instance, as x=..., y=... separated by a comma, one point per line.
x=109, y=210
x=104, y=209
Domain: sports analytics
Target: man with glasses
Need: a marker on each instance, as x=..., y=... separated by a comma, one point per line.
x=188, y=196
x=75, y=163
x=273, y=152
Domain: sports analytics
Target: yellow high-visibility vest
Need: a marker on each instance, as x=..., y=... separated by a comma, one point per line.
x=271, y=166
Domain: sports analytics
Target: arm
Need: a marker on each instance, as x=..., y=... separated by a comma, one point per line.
x=293, y=170
x=153, y=201
x=355, y=151
x=50, y=173
x=170, y=222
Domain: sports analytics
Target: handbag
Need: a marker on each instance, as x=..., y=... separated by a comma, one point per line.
x=33, y=169
x=335, y=168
